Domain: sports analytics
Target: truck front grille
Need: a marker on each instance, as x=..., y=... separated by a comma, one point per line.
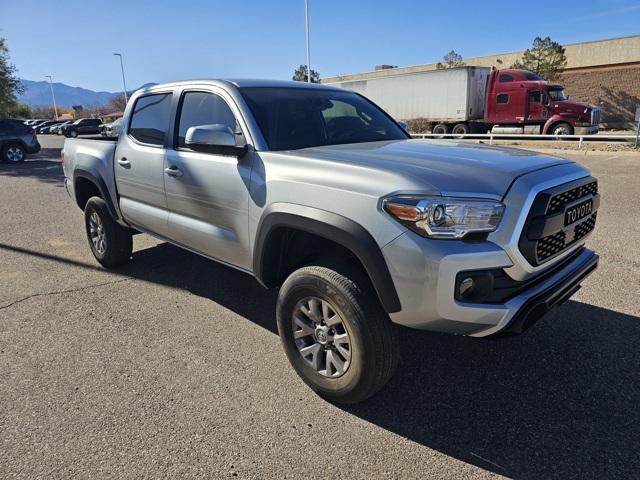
x=558, y=201
x=547, y=213
x=595, y=116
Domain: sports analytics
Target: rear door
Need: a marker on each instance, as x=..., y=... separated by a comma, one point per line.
x=139, y=161
x=207, y=194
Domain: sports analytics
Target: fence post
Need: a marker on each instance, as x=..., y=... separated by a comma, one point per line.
x=580, y=143
x=491, y=139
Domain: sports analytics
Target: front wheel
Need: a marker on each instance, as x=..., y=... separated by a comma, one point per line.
x=110, y=242
x=73, y=134
x=563, y=129
x=335, y=334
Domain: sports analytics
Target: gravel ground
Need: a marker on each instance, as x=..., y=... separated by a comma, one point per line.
x=170, y=367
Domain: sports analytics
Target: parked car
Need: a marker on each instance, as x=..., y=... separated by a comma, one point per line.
x=46, y=125
x=317, y=191
x=34, y=122
x=57, y=129
x=111, y=129
x=83, y=126
x=16, y=141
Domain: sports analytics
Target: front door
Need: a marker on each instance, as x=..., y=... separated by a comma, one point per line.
x=207, y=194
x=536, y=110
x=139, y=164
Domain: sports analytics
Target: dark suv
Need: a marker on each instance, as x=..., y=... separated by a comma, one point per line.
x=16, y=140
x=83, y=126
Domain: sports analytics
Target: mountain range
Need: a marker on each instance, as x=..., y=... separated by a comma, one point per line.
x=38, y=94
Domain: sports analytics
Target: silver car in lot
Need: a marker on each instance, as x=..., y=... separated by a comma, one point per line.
x=317, y=192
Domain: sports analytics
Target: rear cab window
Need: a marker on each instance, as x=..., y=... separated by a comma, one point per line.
x=150, y=119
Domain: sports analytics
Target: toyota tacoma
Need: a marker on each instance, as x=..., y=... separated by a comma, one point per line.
x=316, y=191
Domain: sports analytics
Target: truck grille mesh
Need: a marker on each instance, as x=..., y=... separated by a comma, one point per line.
x=548, y=210
x=547, y=247
x=557, y=202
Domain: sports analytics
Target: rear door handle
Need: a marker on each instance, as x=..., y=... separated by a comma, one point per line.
x=124, y=162
x=173, y=172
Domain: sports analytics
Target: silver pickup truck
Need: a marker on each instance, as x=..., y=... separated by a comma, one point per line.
x=316, y=191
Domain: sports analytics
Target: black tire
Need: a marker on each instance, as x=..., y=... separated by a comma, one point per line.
x=562, y=128
x=374, y=350
x=118, y=239
x=440, y=129
x=460, y=129
x=13, y=153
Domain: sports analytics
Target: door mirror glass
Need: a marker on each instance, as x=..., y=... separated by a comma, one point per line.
x=216, y=138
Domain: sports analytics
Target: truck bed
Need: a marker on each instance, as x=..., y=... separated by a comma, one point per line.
x=92, y=156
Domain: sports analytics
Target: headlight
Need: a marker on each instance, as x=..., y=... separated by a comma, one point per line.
x=442, y=217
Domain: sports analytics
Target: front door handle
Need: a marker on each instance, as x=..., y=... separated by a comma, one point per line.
x=124, y=162
x=173, y=172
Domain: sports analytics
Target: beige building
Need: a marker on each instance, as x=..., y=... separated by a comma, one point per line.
x=603, y=72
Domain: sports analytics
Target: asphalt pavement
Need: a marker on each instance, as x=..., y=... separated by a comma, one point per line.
x=170, y=367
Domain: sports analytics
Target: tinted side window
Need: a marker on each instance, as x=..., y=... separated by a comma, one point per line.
x=504, y=78
x=202, y=108
x=502, y=98
x=535, y=97
x=150, y=118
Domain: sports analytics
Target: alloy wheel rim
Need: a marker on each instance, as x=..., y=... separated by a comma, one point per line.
x=97, y=234
x=14, y=154
x=321, y=337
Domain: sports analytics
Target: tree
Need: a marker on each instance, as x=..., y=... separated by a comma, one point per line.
x=19, y=110
x=451, y=60
x=300, y=75
x=546, y=58
x=10, y=85
x=117, y=103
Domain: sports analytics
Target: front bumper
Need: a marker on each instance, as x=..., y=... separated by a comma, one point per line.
x=591, y=130
x=424, y=273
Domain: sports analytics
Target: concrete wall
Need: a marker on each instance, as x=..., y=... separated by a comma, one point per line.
x=579, y=55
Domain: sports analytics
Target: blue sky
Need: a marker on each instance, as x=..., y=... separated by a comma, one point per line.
x=166, y=40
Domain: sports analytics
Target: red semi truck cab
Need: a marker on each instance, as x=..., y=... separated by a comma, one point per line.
x=519, y=101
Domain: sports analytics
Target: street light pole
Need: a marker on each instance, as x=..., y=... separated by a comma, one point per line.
x=306, y=19
x=124, y=84
x=55, y=107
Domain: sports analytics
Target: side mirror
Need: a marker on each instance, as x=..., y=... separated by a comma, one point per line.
x=217, y=138
x=405, y=126
x=545, y=99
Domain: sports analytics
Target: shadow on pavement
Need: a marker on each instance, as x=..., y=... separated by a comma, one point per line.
x=45, y=169
x=560, y=401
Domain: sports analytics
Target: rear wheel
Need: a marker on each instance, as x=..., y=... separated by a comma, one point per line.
x=110, y=242
x=13, y=153
x=460, y=129
x=440, y=129
x=335, y=334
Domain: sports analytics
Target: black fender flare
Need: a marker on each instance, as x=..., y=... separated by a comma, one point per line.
x=336, y=228
x=100, y=184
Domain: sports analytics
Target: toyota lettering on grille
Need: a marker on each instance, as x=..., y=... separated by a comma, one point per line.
x=578, y=212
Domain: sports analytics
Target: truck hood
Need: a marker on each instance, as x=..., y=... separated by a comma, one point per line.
x=444, y=167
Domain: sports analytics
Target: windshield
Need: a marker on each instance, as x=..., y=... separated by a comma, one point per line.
x=557, y=94
x=292, y=118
